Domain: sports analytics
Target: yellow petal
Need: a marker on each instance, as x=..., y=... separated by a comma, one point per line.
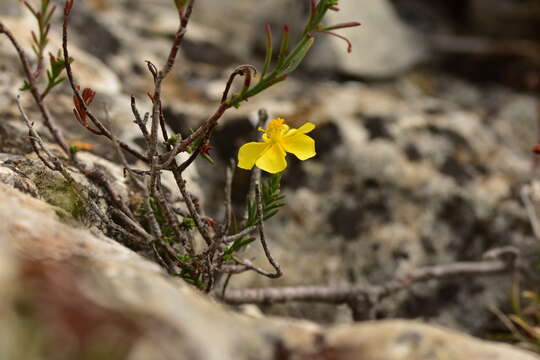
x=307, y=127
x=249, y=153
x=273, y=160
x=304, y=129
x=302, y=146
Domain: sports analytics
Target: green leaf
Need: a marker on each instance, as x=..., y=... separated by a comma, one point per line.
x=269, y=51
x=208, y=158
x=26, y=86
x=187, y=224
x=271, y=201
x=284, y=46
x=186, y=259
x=295, y=59
x=236, y=246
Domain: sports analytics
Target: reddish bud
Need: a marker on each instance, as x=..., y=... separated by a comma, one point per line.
x=210, y=222
x=205, y=149
x=88, y=96
x=68, y=7
x=79, y=111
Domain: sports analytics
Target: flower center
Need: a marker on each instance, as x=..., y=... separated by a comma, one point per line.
x=275, y=129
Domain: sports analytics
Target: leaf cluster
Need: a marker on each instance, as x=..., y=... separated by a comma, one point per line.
x=158, y=228
x=272, y=201
x=40, y=40
x=287, y=60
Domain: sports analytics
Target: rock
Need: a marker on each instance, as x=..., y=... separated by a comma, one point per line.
x=399, y=184
x=91, y=72
x=410, y=340
x=383, y=46
x=90, y=295
x=10, y=9
x=416, y=171
x=52, y=187
x=11, y=176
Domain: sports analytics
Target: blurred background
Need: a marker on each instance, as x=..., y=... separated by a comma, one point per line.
x=424, y=132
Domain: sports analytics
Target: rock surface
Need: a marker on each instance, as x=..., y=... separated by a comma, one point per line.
x=81, y=294
x=383, y=47
x=422, y=169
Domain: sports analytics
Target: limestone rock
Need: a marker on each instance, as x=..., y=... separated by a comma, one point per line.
x=400, y=182
x=89, y=295
x=383, y=46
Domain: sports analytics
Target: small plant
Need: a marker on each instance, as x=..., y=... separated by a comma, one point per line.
x=203, y=251
x=186, y=242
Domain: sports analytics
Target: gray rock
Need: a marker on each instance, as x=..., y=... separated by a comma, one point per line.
x=92, y=295
x=405, y=176
x=396, y=186
x=10, y=8
x=383, y=46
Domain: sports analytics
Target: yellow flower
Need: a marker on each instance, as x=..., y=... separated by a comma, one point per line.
x=277, y=140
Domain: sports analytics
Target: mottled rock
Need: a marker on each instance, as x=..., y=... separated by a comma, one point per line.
x=93, y=296
x=413, y=172
x=400, y=186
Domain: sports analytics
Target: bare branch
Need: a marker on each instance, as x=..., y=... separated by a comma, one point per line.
x=104, y=131
x=55, y=164
x=526, y=196
x=228, y=194
x=203, y=130
x=172, y=220
x=247, y=231
x=242, y=70
x=250, y=266
x=256, y=172
x=191, y=207
x=262, y=236
x=139, y=121
x=35, y=140
x=347, y=293
x=225, y=285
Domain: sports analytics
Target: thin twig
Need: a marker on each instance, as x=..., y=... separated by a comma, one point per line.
x=203, y=130
x=69, y=72
x=47, y=119
x=228, y=194
x=241, y=70
x=191, y=207
x=172, y=221
x=138, y=120
x=347, y=293
x=225, y=285
x=526, y=193
x=262, y=236
x=58, y=166
x=249, y=265
x=35, y=139
x=256, y=172
x=132, y=224
x=247, y=231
